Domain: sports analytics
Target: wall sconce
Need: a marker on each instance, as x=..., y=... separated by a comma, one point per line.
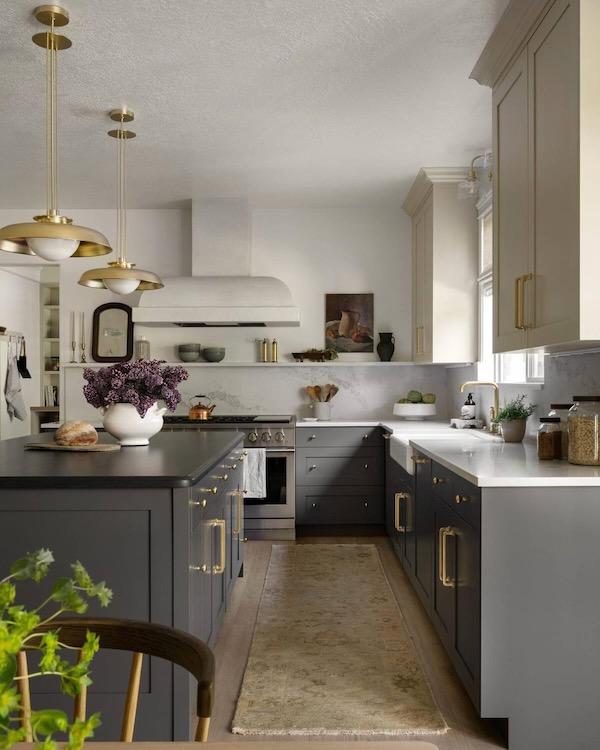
x=470, y=186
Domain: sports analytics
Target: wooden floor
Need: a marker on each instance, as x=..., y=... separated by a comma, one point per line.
x=467, y=731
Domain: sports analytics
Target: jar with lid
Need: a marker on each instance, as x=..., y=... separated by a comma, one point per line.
x=562, y=411
x=549, y=439
x=142, y=348
x=584, y=431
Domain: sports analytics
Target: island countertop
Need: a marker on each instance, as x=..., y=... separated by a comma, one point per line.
x=173, y=459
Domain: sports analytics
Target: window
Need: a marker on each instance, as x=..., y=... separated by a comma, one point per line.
x=511, y=367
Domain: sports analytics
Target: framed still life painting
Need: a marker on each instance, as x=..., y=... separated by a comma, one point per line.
x=349, y=323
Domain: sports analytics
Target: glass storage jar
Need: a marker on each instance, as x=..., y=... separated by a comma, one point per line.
x=549, y=439
x=584, y=431
x=562, y=411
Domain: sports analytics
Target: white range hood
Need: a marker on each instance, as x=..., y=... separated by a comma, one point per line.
x=213, y=295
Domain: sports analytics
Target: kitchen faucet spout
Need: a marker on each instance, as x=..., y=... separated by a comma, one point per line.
x=493, y=409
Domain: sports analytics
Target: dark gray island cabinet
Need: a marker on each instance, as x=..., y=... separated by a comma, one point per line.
x=509, y=578
x=162, y=524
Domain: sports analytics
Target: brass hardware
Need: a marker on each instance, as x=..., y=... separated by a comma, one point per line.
x=461, y=499
x=312, y=437
x=199, y=568
x=443, y=533
x=219, y=523
x=387, y=435
x=527, y=277
x=438, y=480
x=365, y=437
x=517, y=298
x=419, y=461
x=313, y=505
x=493, y=409
x=417, y=349
x=241, y=458
x=245, y=539
x=198, y=503
x=121, y=270
x=366, y=504
x=229, y=466
x=210, y=490
x=240, y=512
x=314, y=467
x=222, y=477
x=398, y=497
x=366, y=466
x=52, y=225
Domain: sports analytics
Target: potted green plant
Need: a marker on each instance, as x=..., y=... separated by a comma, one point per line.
x=512, y=418
x=20, y=631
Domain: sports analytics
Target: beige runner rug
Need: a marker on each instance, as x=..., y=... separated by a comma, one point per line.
x=330, y=653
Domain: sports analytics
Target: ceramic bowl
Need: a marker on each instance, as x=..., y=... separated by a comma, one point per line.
x=189, y=356
x=189, y=347
x=213, y=353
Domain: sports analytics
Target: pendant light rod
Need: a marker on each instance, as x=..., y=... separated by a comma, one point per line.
x=122, y=135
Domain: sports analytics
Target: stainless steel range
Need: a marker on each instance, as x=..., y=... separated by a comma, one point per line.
x=272, y=516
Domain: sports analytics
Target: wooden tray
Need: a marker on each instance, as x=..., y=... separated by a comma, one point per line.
x=98, y=447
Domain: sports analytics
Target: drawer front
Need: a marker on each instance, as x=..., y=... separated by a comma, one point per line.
x=364, y=466
x=462, y=496
x=339, y=437
x=321, y=505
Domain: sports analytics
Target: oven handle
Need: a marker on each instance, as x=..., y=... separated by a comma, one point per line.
x=280, y=450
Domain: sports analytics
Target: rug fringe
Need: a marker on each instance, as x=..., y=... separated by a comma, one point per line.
x=339, y=732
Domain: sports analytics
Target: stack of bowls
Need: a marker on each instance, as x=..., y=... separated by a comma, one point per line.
x=189, y=352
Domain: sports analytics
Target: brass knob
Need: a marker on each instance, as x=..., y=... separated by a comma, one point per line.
x=313, y=505
x=366, y=466
x=438, y=480
x=198, y=503
x=210, y=490
x=461, y=499
x=199, y=568
x=312, y=437
x=222, y=477
x=366, y=504
x=314, y=467
x=229, y=466
x=245, y=539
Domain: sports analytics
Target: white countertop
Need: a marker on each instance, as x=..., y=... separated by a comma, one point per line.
x=391, y=424
x=493, y=463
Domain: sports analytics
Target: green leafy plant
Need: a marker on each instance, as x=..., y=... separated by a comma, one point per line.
x=515, y=409
x=20, y=631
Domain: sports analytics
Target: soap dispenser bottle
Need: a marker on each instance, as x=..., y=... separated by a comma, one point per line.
x=468, y=410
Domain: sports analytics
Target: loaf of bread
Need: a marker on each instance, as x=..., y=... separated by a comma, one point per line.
x=76, y=433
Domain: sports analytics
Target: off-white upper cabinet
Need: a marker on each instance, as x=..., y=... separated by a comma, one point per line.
x=542, y=63
x=444, y=235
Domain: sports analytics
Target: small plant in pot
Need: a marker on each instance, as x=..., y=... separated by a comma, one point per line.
x=512, y=418
x=31, y=646
x=127, y=394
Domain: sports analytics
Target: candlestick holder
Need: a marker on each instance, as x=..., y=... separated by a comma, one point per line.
x=83, y=357
x=73, y=350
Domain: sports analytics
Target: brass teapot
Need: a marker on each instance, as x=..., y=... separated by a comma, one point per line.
x=200, y=411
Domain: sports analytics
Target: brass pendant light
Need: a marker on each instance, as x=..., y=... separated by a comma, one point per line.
x=52, y=236
x=121, y=277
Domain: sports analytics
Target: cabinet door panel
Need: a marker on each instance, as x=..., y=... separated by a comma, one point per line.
x=511, y=201
x=467, y=622
x=424, y=531
x=422, y=281
x=339, y=466
x=553, y=67
x=445, y=571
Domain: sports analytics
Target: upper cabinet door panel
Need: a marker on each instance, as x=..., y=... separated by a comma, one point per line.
x=553, y=67
x=511, y=197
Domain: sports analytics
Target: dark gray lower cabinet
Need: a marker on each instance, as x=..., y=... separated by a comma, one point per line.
x=339, y=476
x=164, y=554
x=437, y=539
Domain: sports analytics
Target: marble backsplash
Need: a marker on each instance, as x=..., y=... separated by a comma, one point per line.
x=565, y=376
x=365, y=392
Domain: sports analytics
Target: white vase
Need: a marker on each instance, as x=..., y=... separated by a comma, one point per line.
x=322, y=410
x=123, y=422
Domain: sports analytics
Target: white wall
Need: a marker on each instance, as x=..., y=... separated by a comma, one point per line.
x=20, y=311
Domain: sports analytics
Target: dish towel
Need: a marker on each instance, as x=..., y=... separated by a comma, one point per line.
x=12, y=392
x=255, y=473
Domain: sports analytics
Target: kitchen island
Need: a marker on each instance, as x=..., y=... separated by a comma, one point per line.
x=503, y=551
x=161, y=524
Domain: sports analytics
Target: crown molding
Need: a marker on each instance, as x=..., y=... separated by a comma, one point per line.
x=427, y=177
x=518, y=22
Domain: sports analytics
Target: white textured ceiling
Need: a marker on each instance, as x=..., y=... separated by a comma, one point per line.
x=280, y=101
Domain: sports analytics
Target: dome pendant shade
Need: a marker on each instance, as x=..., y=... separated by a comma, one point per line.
x=52, y=236
x=121, y=277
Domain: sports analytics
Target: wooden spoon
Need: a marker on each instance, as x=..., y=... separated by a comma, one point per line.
x=318, y=392
x=332, y=391
x=325, y=391
x=310, y=389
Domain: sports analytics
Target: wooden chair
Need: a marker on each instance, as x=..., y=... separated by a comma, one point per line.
x=141, y=638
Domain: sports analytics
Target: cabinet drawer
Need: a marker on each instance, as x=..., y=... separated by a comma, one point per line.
x=340, y=505
x=462, y=496
x=342, y=437
x=363, y=466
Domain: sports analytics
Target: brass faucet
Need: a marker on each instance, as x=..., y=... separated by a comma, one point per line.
x=493, y=409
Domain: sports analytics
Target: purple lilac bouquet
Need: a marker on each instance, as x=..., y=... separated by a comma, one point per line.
x=140, y=383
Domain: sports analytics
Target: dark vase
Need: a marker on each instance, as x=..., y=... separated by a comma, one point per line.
x=385, y=347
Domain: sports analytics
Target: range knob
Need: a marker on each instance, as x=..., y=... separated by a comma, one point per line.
x=280, y=436
x=266, y=437
x=253, y=436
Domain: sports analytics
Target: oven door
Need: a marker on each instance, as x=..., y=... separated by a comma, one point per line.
x=280, y=499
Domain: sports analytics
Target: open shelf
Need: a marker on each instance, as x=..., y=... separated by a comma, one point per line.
x=225, y=363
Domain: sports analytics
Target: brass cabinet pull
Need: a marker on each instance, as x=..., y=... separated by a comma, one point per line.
x=387, y=435
x=443, y=533
x=417, y=340
x=219, y=523
x=230, y=466
x=520, y=281
x=210, y=490
x=517, y=300
x=398, y=498
x=525, y=323
x=199, y=568
x=461, y=499
x=419, y=460
x=198, y=503
x=437, y=480
x=240, y=514
x=312, y=437
x=222, y=477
